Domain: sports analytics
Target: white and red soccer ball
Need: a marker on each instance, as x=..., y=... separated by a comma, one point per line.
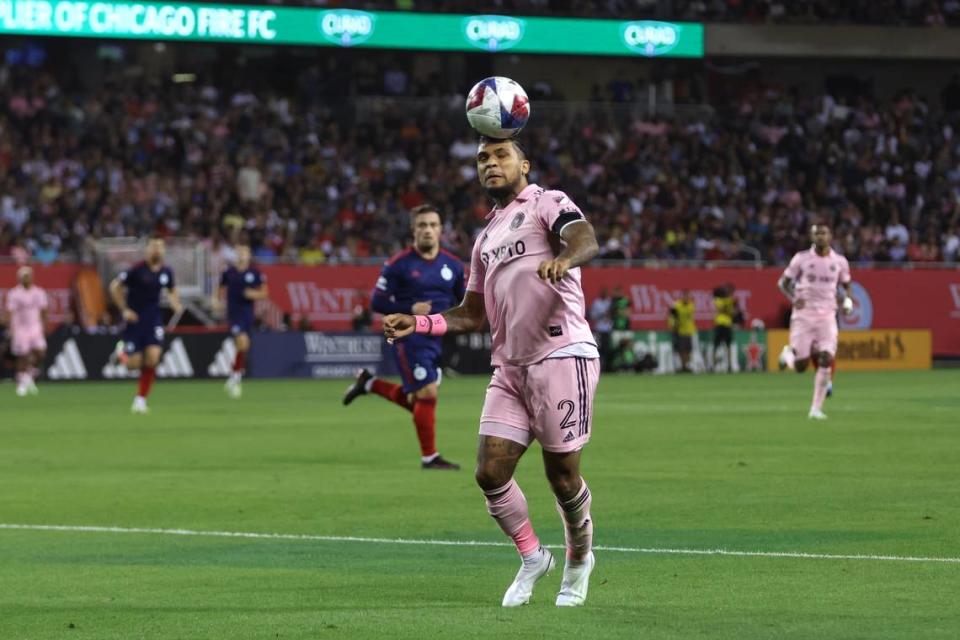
x=498, y=107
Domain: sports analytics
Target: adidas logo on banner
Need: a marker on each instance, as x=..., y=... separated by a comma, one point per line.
x=175, y=363
x=222, y=365
x=68, y=365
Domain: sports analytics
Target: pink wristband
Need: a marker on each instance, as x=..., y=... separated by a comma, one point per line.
x=434, y=325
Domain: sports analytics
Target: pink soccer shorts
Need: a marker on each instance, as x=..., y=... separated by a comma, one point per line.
x=25, y=343
x=811, y=332
x=550, y=402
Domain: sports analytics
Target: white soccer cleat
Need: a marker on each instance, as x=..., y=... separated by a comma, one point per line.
x=139, y=405
x=233, y=388
x=522, y=588
x=32, y=388
x=787, y=358
x=576, y=579
x=21, y=390
x=816, y=414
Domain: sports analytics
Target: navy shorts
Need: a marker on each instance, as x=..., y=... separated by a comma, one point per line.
x=240, y=322
x=418, y=362
x=140, y=335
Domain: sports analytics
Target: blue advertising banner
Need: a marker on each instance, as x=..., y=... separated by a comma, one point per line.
x=313, y=354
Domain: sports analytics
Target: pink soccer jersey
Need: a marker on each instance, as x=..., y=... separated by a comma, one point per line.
x=816, y=280
x=529, y=318
x=26, y=323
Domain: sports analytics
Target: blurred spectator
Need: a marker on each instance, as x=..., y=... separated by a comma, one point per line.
x=362, y=316
x=601, y=319
x=324, y=176
x=683, y=327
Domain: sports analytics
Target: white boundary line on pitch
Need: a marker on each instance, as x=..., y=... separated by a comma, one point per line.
x=471, y=543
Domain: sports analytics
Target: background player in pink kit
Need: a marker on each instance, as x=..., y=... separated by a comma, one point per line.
x=27, y=316
x=525, y=280
x=810, y=281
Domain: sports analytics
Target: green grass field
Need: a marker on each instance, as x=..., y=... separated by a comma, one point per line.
x=684, y=463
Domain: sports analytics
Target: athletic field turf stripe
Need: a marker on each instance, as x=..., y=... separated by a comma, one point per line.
x=475, y=543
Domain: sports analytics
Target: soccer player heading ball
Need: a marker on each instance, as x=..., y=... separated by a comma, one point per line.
x=810, y=282
x=525, y=280
x=136, y=292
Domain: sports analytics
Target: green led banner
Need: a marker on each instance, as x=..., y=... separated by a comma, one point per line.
x=349, y=28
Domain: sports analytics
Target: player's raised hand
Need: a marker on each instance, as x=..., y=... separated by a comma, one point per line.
x=398, y=325
x=130, y=315
x=553, y=270
x=422, y=308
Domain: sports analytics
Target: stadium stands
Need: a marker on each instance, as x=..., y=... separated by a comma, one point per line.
x=308, y=176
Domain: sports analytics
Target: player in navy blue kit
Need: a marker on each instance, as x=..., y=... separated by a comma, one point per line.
x=420, y=280
x=241, y=285
x=136, y=292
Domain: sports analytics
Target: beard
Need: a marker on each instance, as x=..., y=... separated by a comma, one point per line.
x=499, y=194
x=426, y=246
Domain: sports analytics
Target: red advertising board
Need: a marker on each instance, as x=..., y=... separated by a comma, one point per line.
x=56, y=279
x=885, y=298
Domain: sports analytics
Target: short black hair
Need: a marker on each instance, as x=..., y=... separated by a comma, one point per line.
x=514, y=141
x=424, y=208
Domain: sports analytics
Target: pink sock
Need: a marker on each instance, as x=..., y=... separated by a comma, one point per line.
x=820, y=381
x=578, y=526
x=508, y=506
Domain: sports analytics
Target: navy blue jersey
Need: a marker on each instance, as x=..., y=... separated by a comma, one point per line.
x=408, y=278
x=143, y=290
x=237, y=282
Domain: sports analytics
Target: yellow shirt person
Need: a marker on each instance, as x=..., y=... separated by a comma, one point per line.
x=683, y=326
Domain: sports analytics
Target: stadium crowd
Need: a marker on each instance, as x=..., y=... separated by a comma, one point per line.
x=316, y=177
x=876, y=12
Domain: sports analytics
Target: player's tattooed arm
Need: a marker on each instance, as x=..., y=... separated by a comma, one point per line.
x=786, y=287
x=581, y=248
x=468, y=317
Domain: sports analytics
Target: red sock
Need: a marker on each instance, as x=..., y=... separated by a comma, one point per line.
x=147, y=374
x=425, y=419
x=392, y=392
x=240, y=362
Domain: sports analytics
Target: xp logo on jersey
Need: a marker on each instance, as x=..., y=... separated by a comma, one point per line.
x=649, y=37
x=493, y=33
x=517, y=248
x=347, y=27
x=862, y=316
x=446, y=273
x=517, y=221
